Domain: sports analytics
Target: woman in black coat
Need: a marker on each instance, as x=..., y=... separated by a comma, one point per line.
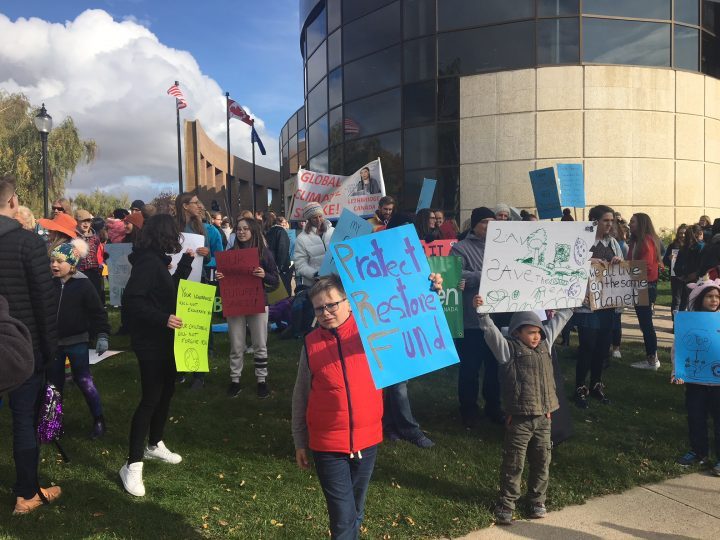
x=149, y=301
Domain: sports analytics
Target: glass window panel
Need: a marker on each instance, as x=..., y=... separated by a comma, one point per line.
x=319, y=163
x=372, y=73
x=412, y=185
x=711, y=15
x=687, y=11
x=639, y=9
x=387, y=148
x=318, y=136
x=317, y=101
x=335, y=82
x=449, y=99
x=292, y=147
x=710, y=55
x=333, y=14
x=316, y=32
x=302, y=150
x=335, y=160
x=551, y=8
x=463, y=13
x=448, y=136
x=419, y=103
x=285, y=136
x=558, y=41
x=316, y=67
x=418, y=18
x=687, y=43
x=608, y=41
x=301, y=118
x=419, y=59
x=374, y=114
x=420, y=147
x=285, y=153
x=508, y=46
x=336, y=125
x=447, y=191
x=374, y=32
x=293, y=164
x=334, y=45
x=357, y=8
x=292, y=125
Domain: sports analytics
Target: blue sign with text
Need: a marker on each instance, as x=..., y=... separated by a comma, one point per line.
x=697, y=347
x=426, y=194
x=572, y=184
x=545, y=190
x=401, y=320
x=349, y=226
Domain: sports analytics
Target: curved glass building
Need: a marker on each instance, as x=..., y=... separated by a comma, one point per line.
x=476, y=93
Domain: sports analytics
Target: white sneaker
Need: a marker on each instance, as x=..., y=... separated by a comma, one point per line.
x=131, y=476
x=162, y=453
x=616, y=354
x=652, y=363
x=250, y=350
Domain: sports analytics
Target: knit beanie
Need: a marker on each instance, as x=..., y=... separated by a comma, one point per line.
x=478, y=214
x=70, y=252
x=502, y=207
x=696, y=290
x=136, y=220
x=311, y=210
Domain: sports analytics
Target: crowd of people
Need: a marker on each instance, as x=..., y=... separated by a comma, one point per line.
x=55, y=291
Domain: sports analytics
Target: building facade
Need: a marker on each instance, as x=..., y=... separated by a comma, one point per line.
x=476, y=93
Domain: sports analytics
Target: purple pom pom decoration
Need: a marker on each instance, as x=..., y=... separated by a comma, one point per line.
x=50, y=426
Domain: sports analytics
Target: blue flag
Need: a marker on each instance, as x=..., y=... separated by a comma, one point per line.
x=255, y=138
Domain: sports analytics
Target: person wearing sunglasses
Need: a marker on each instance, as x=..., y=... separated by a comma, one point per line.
x=61, y=206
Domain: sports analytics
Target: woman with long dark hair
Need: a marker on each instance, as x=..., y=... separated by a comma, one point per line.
x=689, y=261
x=425, y=226
x=149, y=301
x=676, y=282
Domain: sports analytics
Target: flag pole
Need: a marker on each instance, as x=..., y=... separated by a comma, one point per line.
x=228, y=181
x=177, y=114
x=252, y=142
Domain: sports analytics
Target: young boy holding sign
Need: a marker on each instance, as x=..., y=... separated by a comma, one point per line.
x=529, y=395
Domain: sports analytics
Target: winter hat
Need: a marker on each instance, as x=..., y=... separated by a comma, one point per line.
x=478, y=214
x=61, y=223
x=502, y=207
x=136, y=220
x=137, y=204
x=70, y=252
x=311, y=210
x=120, y=213
x=696, y=289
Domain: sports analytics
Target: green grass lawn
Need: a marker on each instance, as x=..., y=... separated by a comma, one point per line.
x=238, y=478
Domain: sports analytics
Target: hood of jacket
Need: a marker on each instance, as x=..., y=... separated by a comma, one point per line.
x=8, y=225
x=524, y=318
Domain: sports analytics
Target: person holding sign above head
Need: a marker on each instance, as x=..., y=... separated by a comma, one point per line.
x=248, y=234
x=595, y=328
x=386, y=208
x=148, y=304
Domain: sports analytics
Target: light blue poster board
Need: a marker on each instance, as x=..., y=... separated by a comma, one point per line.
x=697, y=347
x=401, y=321
x=292, y=234
x=572, y=184
x=426, y=194
x=349, y=226
x=545, y=190
x=118, y=270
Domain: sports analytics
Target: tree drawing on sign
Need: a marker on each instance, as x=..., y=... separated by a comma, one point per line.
x=558, y=265
x=536, y=243
x=697, y=341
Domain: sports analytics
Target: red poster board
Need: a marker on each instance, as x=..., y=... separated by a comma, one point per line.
x=241, y=292
x=438, y=248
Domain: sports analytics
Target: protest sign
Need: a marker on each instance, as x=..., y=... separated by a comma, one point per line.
x=572, y=184
x=402, y=327
x=360, y=192
x=426, y=194
x=189, y=241
x=348, y=226
x=618, y=285
x=438, y=248
x=451, y=296
x=194, y=308
x=697, y=347
x=673, y=260
x=95, y=359
x=545, y=190
x=241, y=292
x=118, y=270
x=278, y=294
x=292, y=234
x=530, y=265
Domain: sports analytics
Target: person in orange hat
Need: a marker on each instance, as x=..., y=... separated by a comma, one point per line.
x=133, y=224
x=61, y=229
x=90, y=263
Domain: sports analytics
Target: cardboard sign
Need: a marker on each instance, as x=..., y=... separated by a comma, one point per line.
x=530, y=265
x=438, y=248
x=697, y=347
x=118, y=270
x=545, y=190
x=451, y=296
x=618, y=285
x=360, y=192
x=572, y=184
x=426, y=194
x=241, y=292
x=401, y=321
x=194, y=307
x=349, y=226
x=189, y=241
x=673, y=260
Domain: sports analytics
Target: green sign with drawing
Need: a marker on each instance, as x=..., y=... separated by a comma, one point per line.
x=194, y=307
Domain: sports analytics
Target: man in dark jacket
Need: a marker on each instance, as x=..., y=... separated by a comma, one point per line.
x=26, y=283
x=279, y=244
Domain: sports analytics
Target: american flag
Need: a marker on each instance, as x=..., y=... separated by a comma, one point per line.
x=351, y=127
x=236, y=111
x=175, y=91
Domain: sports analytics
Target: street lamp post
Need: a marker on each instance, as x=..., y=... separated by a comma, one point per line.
x=43, y=123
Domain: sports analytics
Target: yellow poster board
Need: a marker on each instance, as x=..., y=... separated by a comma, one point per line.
x=194, y=307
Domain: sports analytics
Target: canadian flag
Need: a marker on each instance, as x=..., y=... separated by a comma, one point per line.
x=236, y=111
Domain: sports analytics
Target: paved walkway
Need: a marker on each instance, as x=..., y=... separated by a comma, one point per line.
x=684, y=507
x=663, y=326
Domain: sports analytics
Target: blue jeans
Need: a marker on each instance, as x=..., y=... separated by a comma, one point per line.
x=344, y=482
x=645, y=318
x=24, y=402
x=80, y=365
x=397, y=415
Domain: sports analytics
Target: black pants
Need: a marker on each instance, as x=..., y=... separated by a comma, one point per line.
x=95, y=277
x=474, y=352
x=24, y=402
x=676, y=291
x=595, y=333
x=157, y=379
x=703, y=401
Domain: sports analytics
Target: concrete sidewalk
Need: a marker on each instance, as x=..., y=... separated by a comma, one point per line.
x=684, y=507
x=662, y=321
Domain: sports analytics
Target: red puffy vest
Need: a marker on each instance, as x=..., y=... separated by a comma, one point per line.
x=344, y=412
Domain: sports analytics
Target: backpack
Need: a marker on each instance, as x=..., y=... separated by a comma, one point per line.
x=17, y=361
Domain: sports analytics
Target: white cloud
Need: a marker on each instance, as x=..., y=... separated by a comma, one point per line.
x=112, y=77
